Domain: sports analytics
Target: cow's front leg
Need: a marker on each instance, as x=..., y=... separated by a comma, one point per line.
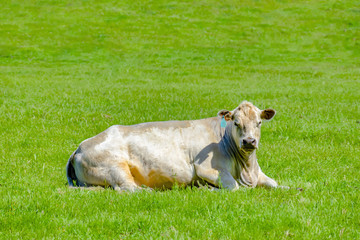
x=218, y=178
x=265, y=181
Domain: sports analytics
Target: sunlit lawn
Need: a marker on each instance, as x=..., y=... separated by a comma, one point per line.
x=71, y=69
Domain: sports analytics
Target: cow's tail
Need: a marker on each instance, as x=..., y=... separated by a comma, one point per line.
x=70, y=171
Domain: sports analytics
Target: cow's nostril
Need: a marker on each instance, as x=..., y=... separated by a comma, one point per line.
x=249, y=141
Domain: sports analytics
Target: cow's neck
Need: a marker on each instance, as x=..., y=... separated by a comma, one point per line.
x=245, y=163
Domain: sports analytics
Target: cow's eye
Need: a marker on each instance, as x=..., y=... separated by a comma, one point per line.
x=239, y=126
x=259, y=124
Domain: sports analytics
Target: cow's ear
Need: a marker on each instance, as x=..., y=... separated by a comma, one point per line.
x=267, y=114
x=226, y=114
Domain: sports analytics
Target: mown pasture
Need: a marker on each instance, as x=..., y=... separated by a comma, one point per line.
x=71, y=69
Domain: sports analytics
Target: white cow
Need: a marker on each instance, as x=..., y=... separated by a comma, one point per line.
x=220, y=151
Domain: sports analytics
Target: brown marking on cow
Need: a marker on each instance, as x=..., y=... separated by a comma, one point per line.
x=153, y=179
x=156, y=179
x=125, y=168
x=138, y=175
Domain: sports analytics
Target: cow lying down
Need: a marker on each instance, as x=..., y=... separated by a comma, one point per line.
x=219, y=151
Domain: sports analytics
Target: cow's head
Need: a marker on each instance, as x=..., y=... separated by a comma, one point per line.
x=245, y=123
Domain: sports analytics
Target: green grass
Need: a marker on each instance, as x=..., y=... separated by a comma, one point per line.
x=70, y=69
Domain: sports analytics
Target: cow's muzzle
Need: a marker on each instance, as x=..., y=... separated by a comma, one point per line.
x=249, y=143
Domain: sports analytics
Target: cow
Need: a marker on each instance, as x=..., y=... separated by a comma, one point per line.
x=218, y=151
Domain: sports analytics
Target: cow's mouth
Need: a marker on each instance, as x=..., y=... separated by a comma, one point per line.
x=249, y=147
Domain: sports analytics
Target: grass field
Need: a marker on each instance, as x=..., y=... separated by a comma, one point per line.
x=70, y=69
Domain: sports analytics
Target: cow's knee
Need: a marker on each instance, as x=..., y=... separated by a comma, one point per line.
x=207, y=174
x=227, y=181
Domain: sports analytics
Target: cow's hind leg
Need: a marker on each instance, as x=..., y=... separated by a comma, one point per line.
x=122, y=179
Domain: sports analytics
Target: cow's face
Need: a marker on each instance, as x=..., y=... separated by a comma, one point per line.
x=247, y=120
